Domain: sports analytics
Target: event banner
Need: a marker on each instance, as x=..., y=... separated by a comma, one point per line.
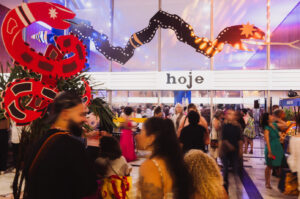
x=199, y=80
x=185, y=80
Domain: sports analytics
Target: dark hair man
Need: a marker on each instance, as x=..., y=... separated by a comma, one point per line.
x=184, y=122
x=4, y=137
x=158, y=112
x=231, y=145
x=194, y=135
x=58, y=166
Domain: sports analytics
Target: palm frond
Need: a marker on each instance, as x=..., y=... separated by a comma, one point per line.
x=101, y=109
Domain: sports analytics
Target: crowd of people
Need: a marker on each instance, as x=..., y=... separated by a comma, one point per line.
x=183, y=145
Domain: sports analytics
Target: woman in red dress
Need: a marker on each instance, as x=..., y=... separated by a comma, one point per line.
x=126, y=140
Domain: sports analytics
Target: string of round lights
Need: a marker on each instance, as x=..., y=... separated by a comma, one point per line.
x=184, y=33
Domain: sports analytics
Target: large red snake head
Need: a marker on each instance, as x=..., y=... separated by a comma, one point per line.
x=234, y=35
x=39, y=93
x=52, y=14
x=56, y=16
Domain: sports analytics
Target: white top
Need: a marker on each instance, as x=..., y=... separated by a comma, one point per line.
x=16, y=132
x=294, y=158
x=148, y=113
x=138, y=115
x=214, y=134
x=256, y=114
x=118, y=166
x=172, y=110
x=174, y=118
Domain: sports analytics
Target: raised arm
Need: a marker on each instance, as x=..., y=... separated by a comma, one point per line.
x=267, y=138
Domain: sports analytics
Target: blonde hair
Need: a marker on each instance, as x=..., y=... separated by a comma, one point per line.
x=207, y=177
x=178, y=105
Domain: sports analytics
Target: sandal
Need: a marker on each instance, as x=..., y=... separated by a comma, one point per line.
x=268, y=186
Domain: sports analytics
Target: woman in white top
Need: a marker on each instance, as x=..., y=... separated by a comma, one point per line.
x=110, y=158
x=164, y=174
x=16, y=132
x=215, y=134
x=139, y=115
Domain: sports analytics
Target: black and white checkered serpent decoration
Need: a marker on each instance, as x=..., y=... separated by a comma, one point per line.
x=184, y=33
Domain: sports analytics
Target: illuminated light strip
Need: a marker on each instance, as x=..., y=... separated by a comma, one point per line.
x=215, y=52
x=220, y=46
x=215, y=42
x=132, y=43
x=244, y=47
x=257, y=35
x=21, y=17
x=137, y=39
x=237, y=46
x=202, y=46
x=28, y=13
x=209, y=50
x=168, y=21
x=198, y=40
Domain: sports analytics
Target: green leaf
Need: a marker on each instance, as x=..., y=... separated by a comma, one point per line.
x=101, y=109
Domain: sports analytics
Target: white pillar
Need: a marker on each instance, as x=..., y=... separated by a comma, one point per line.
x=211, y=59
x=159, y=55
x=268, y=51
x=112, y=7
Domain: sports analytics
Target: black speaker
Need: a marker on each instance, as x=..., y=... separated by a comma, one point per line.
x=292, y=93
x=256, y=104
